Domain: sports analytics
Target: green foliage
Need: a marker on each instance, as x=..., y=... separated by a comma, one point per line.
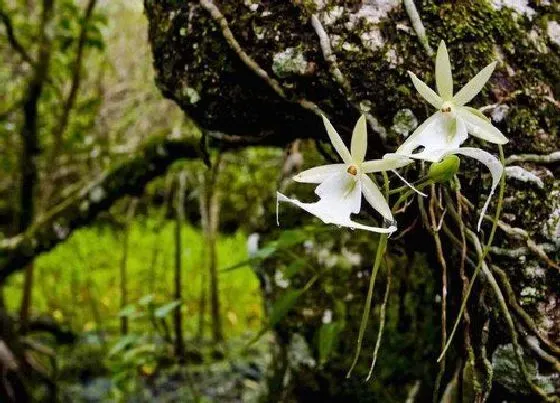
x=327, y=340
x=79, y=279
x=164, y=310
x=283, y=305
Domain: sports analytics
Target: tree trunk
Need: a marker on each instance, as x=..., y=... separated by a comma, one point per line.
x=177, y=280
x=30, y=140
x=204, y=221
x=282, y=64
x=214, y=216
x=210, y=218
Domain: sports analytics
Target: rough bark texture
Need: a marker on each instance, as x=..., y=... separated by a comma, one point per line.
x=263, y=70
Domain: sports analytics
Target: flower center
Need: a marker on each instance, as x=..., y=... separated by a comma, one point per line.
x=448, y=110
x=352, y=170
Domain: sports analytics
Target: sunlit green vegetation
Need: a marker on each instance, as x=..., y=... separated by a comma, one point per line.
x=78, y=281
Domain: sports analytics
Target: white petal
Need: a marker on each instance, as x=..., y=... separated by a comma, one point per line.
x=387, y=163
x=444, y=79
x=426, y=92
x=474, y=86
x=481, y=127
x=358, y=146
x=317, y=209
x=337, y=142
x=374, y=196
x=319, y=174
x=342, y=193
x=493, y=164
x=338, y=201
x=438, y=135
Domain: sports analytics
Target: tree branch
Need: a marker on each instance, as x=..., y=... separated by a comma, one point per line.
x=552, y=158
x=13, y=41
x=62, y=124
x=81, y=207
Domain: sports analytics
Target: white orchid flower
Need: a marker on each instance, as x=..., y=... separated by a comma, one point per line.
x=341, y=185
x=443, y=133
x=450, y=126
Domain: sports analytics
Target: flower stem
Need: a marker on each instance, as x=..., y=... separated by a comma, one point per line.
x=378, y=256
x=382, y=319
x=365, y=316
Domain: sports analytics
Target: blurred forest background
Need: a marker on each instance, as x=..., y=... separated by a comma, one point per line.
x=144, y=282
x=140, y=259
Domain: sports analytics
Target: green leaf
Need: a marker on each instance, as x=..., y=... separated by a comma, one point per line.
x=146, y=300
x=294, y=267
x=138, y=353
x=290, y=238
x=128, y=311
x=123, y=343
x=164, y=310
x=327, y=340
x=266, y=252
x=283, y=305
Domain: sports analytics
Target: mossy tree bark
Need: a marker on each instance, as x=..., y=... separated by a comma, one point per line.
x=263, y=71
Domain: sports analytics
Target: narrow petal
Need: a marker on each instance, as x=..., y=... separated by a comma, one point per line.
x=374, y=197
x=438, y=135
x=337, y=142
x=426, y=92
x=358, y=146
x=474, y=86
x=493, y=164
x=444, y=79
x=481, y=127
x=476, y=112
x=387, y=163
x=319, y=174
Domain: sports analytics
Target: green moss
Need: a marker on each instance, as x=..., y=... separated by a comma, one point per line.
x=475, y=32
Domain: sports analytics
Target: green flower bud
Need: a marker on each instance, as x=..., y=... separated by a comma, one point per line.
x=443, y=171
